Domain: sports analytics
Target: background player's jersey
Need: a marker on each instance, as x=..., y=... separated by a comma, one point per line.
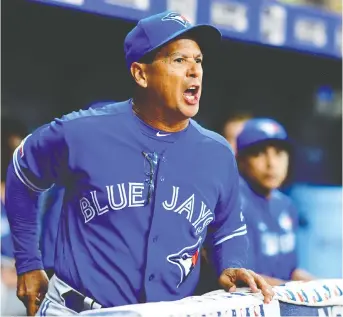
x=271, y=231
x=114, y=244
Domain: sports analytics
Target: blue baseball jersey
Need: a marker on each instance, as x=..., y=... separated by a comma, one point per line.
x=271, y=226
x=50, y=206
x=138, y=204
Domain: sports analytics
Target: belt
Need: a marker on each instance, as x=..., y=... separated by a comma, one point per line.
x=78, y=302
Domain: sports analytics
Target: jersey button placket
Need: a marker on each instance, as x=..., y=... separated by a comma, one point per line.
x=163, y=160
x=152, y=266
x=151, y=277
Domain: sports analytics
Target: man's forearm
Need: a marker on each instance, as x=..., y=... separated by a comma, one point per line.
x=23, y=219
x=302, y=275
x=231, y=253
x=273, y=281
x=297, y=275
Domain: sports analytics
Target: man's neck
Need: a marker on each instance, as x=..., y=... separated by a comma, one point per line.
x=2, y=192
x=157, y=118
x=261, y=191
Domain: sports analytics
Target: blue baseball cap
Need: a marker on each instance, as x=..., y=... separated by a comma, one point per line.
x=157, y=30
x=260, y=130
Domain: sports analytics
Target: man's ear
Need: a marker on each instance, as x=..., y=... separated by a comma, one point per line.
x=139, y=74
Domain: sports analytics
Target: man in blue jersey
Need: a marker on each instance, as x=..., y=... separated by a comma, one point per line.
x=145, y=187
x=263, y=159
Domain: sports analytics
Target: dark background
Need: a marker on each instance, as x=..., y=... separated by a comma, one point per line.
x=56, y=60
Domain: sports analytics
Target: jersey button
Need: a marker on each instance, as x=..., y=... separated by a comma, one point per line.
x=162, y=179
x=151, y=277
x=163, y=159
x=155, y=239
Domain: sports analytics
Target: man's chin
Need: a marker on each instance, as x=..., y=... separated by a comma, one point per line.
x=189, y=111
x=271, y=185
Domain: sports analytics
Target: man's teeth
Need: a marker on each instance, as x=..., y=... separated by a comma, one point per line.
x=191, y=98
x=191, y=90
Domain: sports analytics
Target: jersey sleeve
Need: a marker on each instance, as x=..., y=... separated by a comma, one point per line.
x=42, y=157
x=227, y=238
x=38, y=162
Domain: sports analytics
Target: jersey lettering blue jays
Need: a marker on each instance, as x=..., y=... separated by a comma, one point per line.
x=271, y=232
x=138, y=203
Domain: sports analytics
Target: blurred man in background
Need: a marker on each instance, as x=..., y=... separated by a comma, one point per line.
x=12, y=133
x=233, y=127
x=263, y=152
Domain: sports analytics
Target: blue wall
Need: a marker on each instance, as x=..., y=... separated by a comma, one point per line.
x=320, y=234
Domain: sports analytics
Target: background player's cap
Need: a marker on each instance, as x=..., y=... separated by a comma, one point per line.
x=155, y=31
x=261, y=130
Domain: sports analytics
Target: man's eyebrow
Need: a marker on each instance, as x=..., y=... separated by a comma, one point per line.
x=183, y=55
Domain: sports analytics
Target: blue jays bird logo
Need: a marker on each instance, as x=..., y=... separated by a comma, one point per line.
x=174, y=16
x=269, y=128
x=186, y=260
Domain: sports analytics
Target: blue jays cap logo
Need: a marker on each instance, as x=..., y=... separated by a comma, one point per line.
x=269, y=128
x=186, y=260
x=174, y=16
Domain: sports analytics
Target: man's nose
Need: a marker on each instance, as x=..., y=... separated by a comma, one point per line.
x=194, y=70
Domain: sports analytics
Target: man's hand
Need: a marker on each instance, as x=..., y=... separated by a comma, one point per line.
x=31, y=289
x=230, y=278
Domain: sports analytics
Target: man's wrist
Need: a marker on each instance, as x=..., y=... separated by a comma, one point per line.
x=27, y=267
x=233, y=265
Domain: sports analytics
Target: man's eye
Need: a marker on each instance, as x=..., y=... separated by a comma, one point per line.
x=281, y=153
x=199, y=60
x=258, y=154
x=179, y=60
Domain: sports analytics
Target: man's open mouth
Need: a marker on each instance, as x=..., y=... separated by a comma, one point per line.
x=191, y=94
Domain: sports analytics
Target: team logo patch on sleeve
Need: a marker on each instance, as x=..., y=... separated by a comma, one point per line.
x=21, y=147
x=186, y=260
x=174, y=16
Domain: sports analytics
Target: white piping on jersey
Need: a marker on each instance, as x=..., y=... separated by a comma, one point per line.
x=241, y=228
x=159, y=134
x=21, y=175
x=240, y=233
